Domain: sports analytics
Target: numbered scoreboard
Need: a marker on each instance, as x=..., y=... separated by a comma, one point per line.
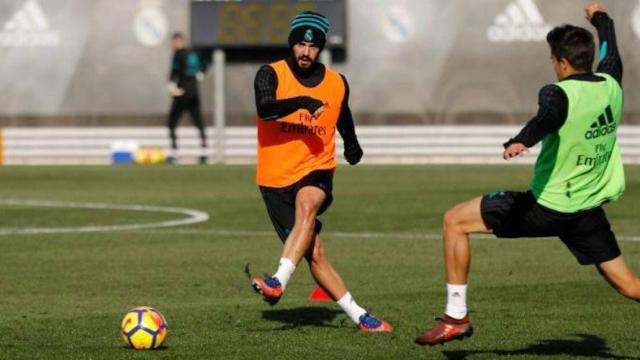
x=260, y=26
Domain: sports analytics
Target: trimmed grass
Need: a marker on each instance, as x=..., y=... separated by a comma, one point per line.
x=62, y=296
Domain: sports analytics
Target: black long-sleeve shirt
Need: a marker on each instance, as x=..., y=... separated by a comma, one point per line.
x=266, y=83
x=185, y=65
x=553, y=103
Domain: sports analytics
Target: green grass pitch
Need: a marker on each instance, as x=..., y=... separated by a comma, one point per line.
x=63, y=295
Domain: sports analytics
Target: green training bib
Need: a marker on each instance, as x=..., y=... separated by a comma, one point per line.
x=580, y=166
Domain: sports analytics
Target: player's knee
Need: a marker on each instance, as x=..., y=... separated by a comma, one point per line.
x=307, y=208
x=451, y=220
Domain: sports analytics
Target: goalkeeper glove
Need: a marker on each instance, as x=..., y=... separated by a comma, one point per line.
x=174, y=90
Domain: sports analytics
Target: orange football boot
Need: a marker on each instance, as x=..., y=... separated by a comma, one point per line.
x=447, y=329
x=370, y=323
x=269, y=287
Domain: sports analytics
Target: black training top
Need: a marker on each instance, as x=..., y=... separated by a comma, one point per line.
x=185, y=65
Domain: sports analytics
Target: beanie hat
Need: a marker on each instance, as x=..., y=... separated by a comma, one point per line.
x=310, y=27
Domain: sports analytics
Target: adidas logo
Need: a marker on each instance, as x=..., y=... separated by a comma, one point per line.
x=603, y=126
x=28, y=27
x=521, y=21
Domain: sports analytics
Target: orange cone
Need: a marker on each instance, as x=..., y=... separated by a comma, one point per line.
x=319, y=295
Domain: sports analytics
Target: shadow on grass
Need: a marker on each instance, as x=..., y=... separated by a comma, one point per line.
x=587, y=346
x=302, y=316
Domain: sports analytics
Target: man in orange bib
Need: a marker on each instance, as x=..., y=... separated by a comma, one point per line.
x=300, y=104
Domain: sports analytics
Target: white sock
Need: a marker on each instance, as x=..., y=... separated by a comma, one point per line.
x=456, y=301
x=349, y=306
x=285, y=270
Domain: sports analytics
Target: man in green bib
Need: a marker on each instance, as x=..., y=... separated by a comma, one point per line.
x=578, y=170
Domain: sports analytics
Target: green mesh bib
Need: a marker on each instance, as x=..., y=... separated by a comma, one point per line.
x=580, y=166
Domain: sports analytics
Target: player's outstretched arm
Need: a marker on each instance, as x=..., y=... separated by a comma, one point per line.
x=176, y=73
x=552, y=113
x=609, y=60
x=265, y=85
x=352, y=151
x=177, y=67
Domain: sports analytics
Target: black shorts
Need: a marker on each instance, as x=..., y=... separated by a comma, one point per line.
x=281, y=202
x=586, y=233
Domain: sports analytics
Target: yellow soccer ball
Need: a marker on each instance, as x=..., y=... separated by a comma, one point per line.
x=143, y=328
x=150, y=155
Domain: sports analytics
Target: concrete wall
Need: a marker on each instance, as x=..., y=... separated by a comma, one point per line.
x=409, y=61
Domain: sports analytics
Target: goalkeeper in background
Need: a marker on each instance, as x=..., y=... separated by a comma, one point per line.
x=187, y=68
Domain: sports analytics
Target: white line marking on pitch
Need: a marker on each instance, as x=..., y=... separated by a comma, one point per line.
x=196, y=216
x=193, y=217
x=359, y=235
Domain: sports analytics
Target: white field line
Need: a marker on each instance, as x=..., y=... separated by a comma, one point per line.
x=192, y=217
x=358, y=235
x=196, y=216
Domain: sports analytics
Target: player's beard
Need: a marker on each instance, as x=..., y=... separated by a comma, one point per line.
x=304, y=62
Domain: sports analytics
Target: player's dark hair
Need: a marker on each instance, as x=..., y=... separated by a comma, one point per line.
x=574, y=44
x=177, y=35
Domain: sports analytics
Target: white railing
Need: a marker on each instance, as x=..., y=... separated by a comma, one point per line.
x=382, y=144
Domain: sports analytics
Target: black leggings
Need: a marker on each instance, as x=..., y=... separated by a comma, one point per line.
x=192, y=106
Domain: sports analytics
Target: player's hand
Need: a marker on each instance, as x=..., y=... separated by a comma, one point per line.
x=353, y=153
x=174, y=90
x=314, y=106
x=199, y=76
x=593, y=8
x=316, y=114
x=513, y=150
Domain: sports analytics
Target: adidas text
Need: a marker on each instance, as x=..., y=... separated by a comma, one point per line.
x=521, y=21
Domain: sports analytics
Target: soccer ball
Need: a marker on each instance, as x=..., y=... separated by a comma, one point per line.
x=150, y=155
x=143, y=328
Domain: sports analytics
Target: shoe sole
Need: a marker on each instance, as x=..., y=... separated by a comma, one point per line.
x=375, y=331
x=466, y=334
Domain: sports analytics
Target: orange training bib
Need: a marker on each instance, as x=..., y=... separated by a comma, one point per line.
x=295, y=145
